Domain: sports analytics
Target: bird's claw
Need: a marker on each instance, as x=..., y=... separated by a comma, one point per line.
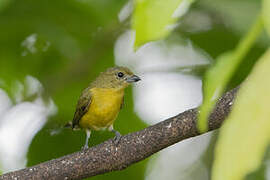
x=85, y=147
x=116, y=139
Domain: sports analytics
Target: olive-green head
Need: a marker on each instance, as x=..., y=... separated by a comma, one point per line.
x=116, y=77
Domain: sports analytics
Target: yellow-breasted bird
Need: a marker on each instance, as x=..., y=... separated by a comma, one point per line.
x=100, y=103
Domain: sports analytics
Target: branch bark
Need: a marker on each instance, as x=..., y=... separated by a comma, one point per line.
x=132, y=147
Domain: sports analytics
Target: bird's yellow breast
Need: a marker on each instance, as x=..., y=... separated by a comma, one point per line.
x=104, y=108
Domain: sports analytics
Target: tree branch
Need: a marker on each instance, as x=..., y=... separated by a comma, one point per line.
x=132, y=147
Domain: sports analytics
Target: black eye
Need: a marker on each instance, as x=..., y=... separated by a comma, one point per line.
x=120, y=74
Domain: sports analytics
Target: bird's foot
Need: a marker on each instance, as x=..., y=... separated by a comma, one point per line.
x=88, y=133
x=85, y=147
x=117, y=137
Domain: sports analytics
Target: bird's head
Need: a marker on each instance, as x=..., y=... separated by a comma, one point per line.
x=116, y=77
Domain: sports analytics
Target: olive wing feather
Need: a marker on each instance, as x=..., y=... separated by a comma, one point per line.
x=82, y=106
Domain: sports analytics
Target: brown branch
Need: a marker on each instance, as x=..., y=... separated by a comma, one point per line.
x=132, y=147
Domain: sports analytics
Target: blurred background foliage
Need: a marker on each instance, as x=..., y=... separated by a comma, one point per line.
x=64, y=44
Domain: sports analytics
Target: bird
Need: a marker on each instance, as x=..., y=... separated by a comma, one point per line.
x=99, y=104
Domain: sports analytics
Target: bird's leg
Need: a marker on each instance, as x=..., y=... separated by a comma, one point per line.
x=88, y=133
x=117, y=134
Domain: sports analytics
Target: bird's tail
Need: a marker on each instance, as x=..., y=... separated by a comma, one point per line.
x=68, y=125
x=56, y=130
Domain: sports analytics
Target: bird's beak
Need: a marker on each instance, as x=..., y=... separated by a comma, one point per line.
x=133, y=78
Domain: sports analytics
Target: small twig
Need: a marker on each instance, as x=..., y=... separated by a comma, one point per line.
x=131, y=148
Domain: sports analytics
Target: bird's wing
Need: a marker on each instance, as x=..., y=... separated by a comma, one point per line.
x=82, y=106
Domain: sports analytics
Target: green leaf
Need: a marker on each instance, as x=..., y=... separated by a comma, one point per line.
x=266, y=15
x=154, y=19
x=245, y=135
x=219, y=75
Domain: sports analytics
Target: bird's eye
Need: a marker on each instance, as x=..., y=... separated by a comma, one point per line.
x=120, y=74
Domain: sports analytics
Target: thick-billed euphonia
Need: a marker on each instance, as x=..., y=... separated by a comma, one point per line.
x=100, y=103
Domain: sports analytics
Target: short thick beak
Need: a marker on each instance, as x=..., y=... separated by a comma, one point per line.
x=133, y=78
